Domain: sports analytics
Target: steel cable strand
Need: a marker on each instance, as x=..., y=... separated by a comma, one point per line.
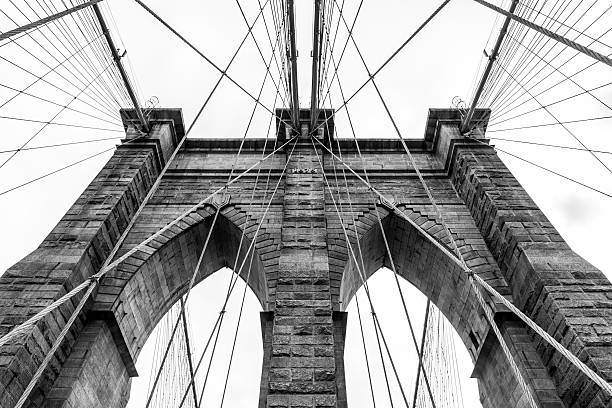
x=414, y=34
x=498, y=115
x=344, y=47
x=274, y=10
x=47, y=122
x=97, y=98
x=420, y=353
x=53, y=69
x=559, y=123
x=51, y=120
x=562, y=125
x=85, y=25
x=507, y=106
x=520, y=66
x=569, y=43
x=62, y=144
x=102, y=52
x=523, y=66
x=208, y=60
x=491, y=124
x=71, y=39
x=512, y=88
x=115, y=123
x=548, y=145
x=7, y=35
x=506, y=54
x=333, y=47
x=571, y=28
x=234, y=341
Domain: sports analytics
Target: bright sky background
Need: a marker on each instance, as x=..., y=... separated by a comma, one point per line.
x=442, y=62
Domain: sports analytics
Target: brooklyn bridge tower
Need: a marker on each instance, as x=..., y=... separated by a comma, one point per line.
x=305, y=218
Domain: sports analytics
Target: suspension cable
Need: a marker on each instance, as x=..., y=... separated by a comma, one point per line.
x=377, y=71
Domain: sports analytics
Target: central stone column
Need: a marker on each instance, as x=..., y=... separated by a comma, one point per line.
x=299, y=339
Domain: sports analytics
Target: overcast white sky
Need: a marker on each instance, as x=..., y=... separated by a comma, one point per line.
x=441, y=63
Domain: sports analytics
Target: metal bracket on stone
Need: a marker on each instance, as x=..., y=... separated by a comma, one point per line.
x=219, y=201
x=389, y=203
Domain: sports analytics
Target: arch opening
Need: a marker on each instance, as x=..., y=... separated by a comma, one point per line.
x=153, y=283
x=423, y=265
x=447, y=362
x=202, y=312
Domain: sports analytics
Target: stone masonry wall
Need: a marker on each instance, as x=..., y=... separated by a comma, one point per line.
x=562, y=292
x=72, y=252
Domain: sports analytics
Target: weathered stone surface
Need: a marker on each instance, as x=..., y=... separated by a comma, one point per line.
x=305, y=269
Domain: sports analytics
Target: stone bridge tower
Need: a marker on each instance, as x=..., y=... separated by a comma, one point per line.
x=303, y=273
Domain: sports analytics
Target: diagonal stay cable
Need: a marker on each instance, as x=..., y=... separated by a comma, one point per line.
x=545, y=168
x=508, y=107
x=559, y=122
x=40, y=98
x=52, y=70
x=546, y=145
x=72, y=70
x=387, y=61
x=201, y=54
x=565, y=75
x=62, y=144
x=527, y=63
x=53, y=118
x=495, y=123
x=46, y=122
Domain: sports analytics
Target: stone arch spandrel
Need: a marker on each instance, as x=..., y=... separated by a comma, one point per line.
x=425, y=266
x=144, y=287
x=440, y=279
